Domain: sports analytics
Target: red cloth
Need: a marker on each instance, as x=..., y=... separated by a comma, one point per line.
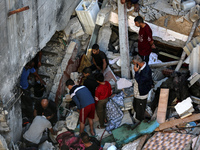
x=103, y=91
x=145, y=36
x=88, y=111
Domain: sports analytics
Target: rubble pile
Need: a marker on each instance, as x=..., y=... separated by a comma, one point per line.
x=172, y=114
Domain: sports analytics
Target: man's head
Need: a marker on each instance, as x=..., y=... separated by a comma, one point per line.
x=87, y=71
x=47, y=113
x=138, y=60
x=44, y=103
x=138, y=21
x=99, y=77
x=69, y=83
x=95, y=49
x=30, y=64
x=85, y=137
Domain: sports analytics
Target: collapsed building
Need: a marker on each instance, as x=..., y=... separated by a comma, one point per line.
x=64, y=31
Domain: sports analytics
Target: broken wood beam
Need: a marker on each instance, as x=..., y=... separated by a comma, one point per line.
x=162, y=106
x=175, y=122
x=164, y=64
x=18, y=10
x=123, y=40
x=188, y=40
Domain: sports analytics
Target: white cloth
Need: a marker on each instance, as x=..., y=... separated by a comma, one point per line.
x=35, y=131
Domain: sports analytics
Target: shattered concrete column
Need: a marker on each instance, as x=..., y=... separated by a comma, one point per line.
x=123, y=37
x=104, y=37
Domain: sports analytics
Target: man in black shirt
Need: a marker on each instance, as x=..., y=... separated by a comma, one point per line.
x=43, y=105
x=99, y=59
x=90, y=82
x=90, y=143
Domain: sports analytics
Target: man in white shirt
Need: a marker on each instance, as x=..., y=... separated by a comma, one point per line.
x=34, y=135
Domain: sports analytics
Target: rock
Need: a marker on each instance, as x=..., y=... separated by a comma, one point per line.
x=194, y=13
x=103, y=16
x=74, y=28
x=187, y=5
x=104, y=37
x=148, y=2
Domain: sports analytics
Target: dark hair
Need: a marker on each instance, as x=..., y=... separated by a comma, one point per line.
x=85, y=137
x=99, y=77
x=69, y=82
x=47, y=112
x=87, y=70
x=64, y=147
x=95, y=46
x=139, y=19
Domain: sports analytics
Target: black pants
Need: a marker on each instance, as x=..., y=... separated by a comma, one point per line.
x=139, y=106
x=145, y=58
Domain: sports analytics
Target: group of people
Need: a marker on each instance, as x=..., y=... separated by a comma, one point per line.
x=95, y=92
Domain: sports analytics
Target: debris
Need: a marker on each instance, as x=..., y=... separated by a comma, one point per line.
x=187, y=5
x=126, y=133
x=168, y=141
x=177, y=122
x=196, y=143
x=112, y=148
x=46, y=145
x=162, y=106
x=195, y=13
x=193, y=79
x=123, y=83
x=176, y=4
x=104, y=37
x=132, y=145
x=103, y=16
x=185, y=107
x=71, y=121
x=194, y=60
x=3, y=144
x=73, y=29
x=18, y=10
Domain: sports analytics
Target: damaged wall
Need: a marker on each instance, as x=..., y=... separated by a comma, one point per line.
x=23, y=35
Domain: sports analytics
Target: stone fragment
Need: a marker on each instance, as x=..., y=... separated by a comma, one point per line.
x=187, y=5
x=194, y=13
x=103, y=16
x=123, y=83
x=104, y=37
x=74, y=28
x=176, y=4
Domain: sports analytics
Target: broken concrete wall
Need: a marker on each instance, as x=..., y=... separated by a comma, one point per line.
x=24, y=34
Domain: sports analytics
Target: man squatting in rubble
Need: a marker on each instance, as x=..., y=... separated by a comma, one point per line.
x=145, y=40
x=99, y=58
x=142, y=86
x=85, y=103
x=34, y=136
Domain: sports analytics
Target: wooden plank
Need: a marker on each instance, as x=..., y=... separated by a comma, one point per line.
x=18, y=10
x=175, y=122
x=162, y=106
x=123, y=40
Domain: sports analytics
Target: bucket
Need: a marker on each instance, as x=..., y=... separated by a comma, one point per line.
x=39, y=90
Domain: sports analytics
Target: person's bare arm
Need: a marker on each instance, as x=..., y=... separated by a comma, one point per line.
x=35, y=113
x=40, y=58
x=41, y=81
x=52, y=131
x=104, y=65
x=152, y=44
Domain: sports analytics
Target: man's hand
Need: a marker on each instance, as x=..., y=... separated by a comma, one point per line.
x=136, y=68
x=153, y=46
x=39, y=64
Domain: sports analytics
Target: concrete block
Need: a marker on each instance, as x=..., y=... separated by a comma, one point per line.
x=104, y=37
x=194, y=13
x=176, y=4
x=184, y=106
x=103, y=16
x=71, y=47
x=74, y=28
x=187, y=5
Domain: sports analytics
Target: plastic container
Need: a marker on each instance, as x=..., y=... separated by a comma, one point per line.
x=88, y=15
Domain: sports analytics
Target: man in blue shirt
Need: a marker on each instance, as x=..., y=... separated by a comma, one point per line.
x=29, y=68
x=85, y=103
